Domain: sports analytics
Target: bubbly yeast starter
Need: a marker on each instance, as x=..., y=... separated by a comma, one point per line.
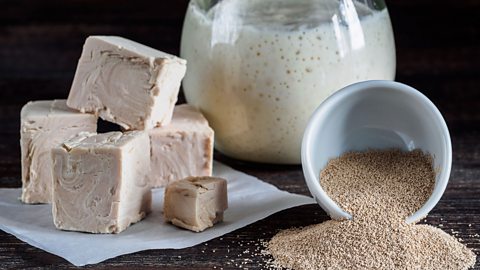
x=258, y=68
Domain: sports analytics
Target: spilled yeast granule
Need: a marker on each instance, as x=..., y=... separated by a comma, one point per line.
x=380, y=188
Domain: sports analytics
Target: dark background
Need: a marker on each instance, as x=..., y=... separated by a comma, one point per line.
x=437, y=53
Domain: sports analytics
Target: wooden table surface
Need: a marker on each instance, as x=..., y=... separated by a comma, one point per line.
x=438, y=52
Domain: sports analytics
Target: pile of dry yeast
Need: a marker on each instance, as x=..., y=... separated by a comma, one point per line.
x=380, y=188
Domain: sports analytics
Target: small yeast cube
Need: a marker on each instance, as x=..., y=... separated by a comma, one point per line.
x=195, y=203
x=100, y=181
x=45, y=124
x=183, y=148
x=126, y=83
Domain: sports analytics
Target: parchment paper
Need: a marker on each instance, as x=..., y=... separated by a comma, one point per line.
x=250, y=200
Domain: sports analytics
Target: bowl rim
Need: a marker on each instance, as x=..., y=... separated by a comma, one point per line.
x=318, y=116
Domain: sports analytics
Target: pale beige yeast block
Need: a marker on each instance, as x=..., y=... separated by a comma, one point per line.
x=100, y=181
x=195, y=203
x=45, y=124
x=183, y=148
x=126, y=83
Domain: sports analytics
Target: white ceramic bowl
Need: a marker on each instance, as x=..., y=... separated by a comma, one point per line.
x=375, y=115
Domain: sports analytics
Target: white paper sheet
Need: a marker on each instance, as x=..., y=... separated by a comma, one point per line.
x=250, y=200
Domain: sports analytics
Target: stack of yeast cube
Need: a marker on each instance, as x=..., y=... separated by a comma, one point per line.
x=101, y=182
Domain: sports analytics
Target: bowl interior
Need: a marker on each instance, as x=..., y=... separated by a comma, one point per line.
x=375, y=115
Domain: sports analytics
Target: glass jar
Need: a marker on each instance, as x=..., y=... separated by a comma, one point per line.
x=257, y=69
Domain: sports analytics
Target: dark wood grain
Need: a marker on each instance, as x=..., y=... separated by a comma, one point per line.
x=438, y=52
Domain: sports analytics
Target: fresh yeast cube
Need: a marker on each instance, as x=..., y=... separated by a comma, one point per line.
x=195, y=203
x=126, y=83
x=100, y=181
x=45, y=124
x=183, y=148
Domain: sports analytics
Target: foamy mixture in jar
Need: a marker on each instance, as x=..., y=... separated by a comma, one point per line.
x=257, y=69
